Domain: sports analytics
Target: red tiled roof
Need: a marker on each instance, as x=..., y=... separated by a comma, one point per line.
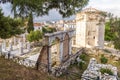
x=38, y=24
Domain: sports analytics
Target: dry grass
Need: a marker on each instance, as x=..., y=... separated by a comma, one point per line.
x=10, y=70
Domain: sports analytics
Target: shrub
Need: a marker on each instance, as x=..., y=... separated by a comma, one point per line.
x=47, y=29
x=53, y=64
x=34, y=36
x=81, y=64
x=108, y=71
x=82, y=56
x=103, y=59
x=107, y=51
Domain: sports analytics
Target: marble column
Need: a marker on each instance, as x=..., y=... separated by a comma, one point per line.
x=24, y=38
x=15, y=41
x=115, y=71
x=28, y=46
x=0, y=49
x=70, y=46
x=10, y=45
x=4, y=45
x=49, y=59
x=61, y=50
x=20, y=47
x=49, y=54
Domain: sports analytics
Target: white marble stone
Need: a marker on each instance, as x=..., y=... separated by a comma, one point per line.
x=4, y=45
x=28, y=46
x=10, y=45
x=93, y=71
x=90, y=28
x=15, y=41
x=20, y=47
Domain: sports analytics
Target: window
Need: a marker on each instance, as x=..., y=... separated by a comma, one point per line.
x=88, y=32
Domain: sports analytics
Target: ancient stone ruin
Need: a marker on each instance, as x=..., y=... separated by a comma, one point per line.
x=90, y=24
x=56, y=51
x=93, y=71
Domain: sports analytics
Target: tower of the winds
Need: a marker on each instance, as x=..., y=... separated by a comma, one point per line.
x=90, y=25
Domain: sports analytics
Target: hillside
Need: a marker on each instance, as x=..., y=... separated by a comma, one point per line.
x=10, y=70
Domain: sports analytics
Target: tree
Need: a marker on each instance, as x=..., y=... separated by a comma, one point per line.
x=30, y=26
x=112, y=30
x=41, y=7
x=117, y=34
x=109, y=35
x=34, y=36
x=66, y=8
x=9, y=27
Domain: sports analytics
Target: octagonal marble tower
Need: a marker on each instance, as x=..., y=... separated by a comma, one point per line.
x=90, y=25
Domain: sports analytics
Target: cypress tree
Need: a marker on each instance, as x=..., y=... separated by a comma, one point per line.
x=30, y=26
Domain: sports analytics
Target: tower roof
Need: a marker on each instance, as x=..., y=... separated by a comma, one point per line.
x=90, y=9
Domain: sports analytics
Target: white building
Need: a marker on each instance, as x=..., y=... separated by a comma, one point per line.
x=69, y=25
x=90, y=24
x=38, y=26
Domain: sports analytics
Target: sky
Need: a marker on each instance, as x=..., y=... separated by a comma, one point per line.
x=112, y=6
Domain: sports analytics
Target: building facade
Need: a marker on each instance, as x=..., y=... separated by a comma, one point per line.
x=90, y=25
x=38, y=26
x=69, y=25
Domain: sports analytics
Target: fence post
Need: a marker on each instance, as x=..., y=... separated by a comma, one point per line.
x=37, y=65
x=8, y=54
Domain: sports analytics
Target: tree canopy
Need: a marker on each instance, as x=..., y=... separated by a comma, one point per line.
x=41, y=7
x=112, y=31
x=9, y=27
x=109, y=35
x=117, y=33
x=35, y=36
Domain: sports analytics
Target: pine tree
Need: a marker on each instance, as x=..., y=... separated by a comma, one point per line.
x=9, y=27
x=42, y=7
